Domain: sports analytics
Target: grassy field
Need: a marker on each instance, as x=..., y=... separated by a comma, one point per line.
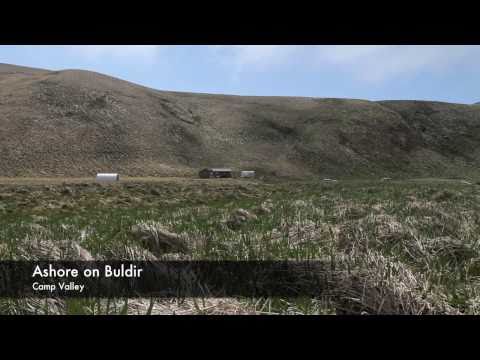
x=396, y=247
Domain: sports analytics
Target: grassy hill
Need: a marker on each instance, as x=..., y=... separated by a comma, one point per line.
x=76, y=123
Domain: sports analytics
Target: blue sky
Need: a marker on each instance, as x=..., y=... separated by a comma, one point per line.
x=374, y=72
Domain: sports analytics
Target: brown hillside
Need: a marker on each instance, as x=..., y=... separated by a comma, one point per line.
x=75, y=123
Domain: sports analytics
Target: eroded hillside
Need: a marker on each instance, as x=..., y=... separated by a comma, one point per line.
x=75, y=123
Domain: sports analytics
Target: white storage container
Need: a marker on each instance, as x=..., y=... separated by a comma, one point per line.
x=107, y=177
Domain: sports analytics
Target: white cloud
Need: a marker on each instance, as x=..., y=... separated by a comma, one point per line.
x=366, y=63
x=242, y=58
x=261, y=55
x=144, y=53
x=379, y=63
x=370, y=63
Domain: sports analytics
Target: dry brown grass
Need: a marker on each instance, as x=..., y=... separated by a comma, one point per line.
x=388, y=247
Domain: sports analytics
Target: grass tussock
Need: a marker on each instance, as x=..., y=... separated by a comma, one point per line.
x=391, y=247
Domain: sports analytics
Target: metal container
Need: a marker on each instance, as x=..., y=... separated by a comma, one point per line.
x=107, y=177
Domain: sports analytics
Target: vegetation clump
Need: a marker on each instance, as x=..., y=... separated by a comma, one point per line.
x=405, y=247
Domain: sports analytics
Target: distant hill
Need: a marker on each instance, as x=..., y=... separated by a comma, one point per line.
x=75, y=123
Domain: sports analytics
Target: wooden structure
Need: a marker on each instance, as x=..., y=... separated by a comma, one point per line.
x=209, y=173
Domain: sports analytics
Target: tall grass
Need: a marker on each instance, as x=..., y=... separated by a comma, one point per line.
x=397, y=247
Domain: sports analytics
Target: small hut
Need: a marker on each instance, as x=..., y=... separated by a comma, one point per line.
x=247, y=173
x=215, y=173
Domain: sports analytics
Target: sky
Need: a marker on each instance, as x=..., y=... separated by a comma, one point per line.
x=373, y=72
